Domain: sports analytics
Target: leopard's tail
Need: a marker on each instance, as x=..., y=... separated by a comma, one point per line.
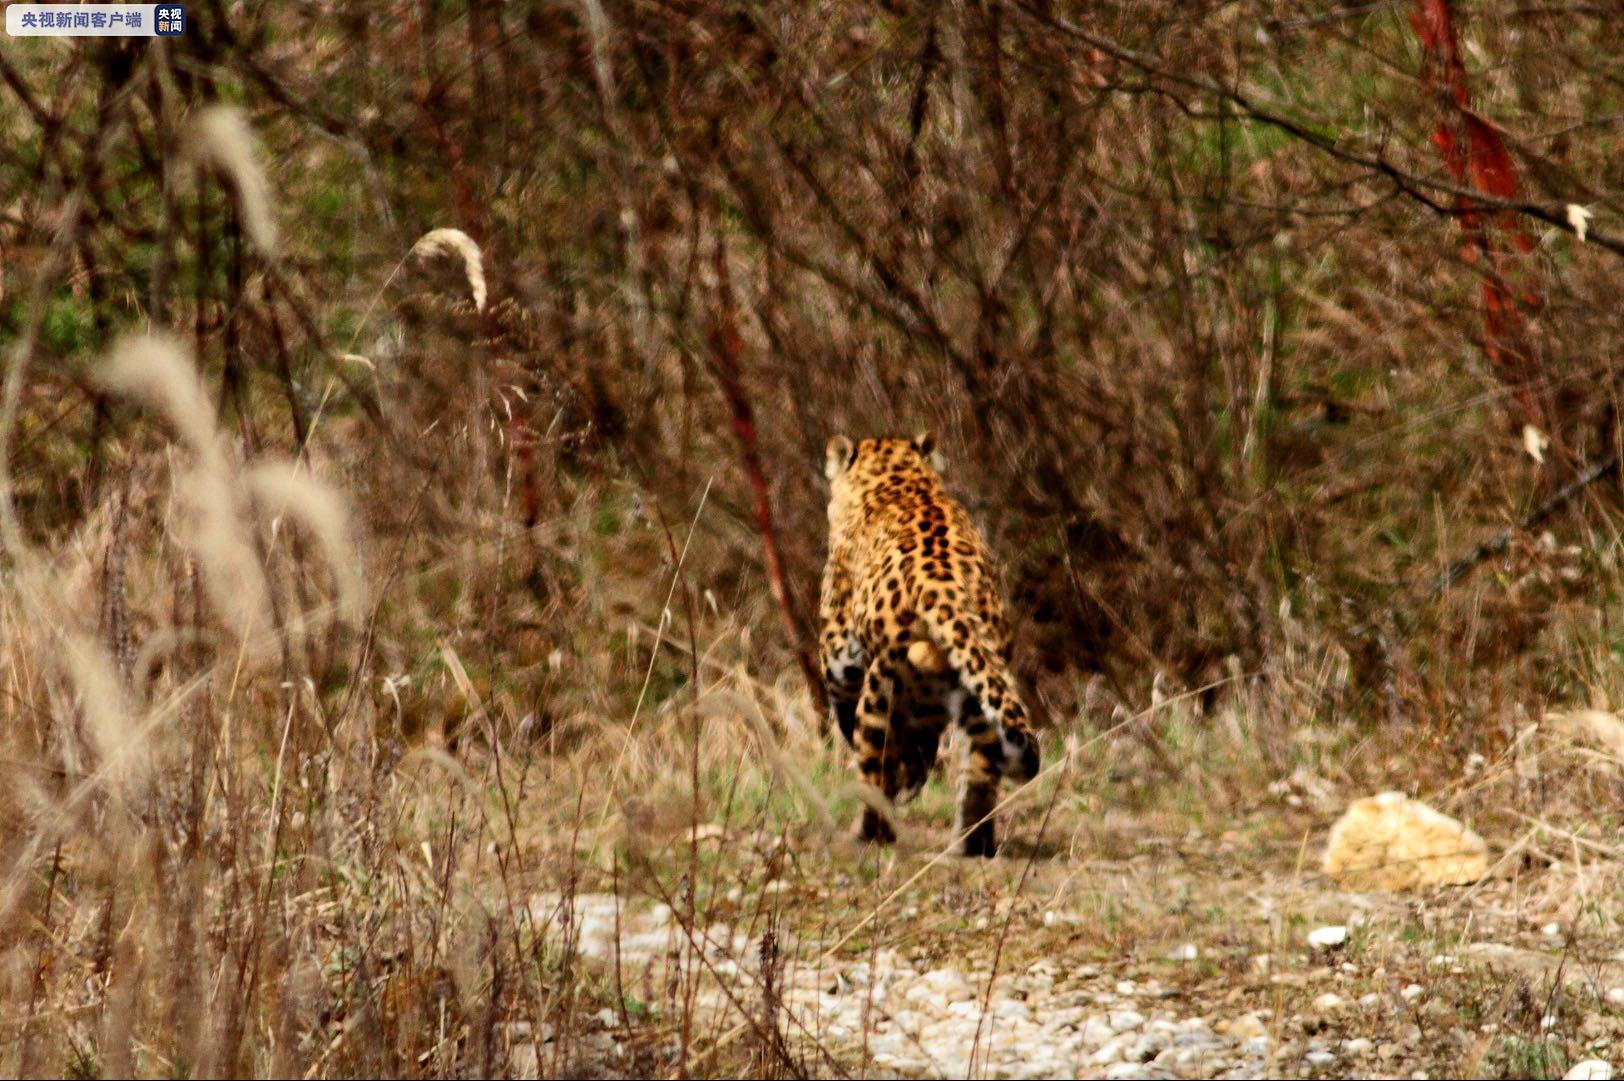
x=927, y=658
x=983, y=674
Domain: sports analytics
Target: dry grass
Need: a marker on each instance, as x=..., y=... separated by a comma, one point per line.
x=310, y=893
x=395, y=686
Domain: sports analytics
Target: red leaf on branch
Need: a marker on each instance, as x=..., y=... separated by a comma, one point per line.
x=1476, y=156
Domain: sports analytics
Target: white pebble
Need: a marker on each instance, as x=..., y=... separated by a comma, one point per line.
x=1591, y=1069
x=942, y=985
x=1327, y=938
x=1127, y=1021
x=1097, y=1029
x=1122, y=1071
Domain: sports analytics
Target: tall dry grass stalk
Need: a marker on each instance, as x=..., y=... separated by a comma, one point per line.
x=219, y=135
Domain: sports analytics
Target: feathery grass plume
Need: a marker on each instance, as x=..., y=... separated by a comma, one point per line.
x=220, y=136
x=283, y=489
x=233, y=577
x=156, y=648
x=456, y=242
x=120, y=749
x=154, y=369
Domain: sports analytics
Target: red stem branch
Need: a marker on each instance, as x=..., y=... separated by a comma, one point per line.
x=726, y=348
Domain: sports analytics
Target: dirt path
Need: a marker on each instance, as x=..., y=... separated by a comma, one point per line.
x=1186, y=957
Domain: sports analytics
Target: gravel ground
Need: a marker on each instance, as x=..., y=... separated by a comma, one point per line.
x=1281, y=976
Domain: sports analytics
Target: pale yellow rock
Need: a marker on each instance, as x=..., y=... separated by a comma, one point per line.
x=1392, y=842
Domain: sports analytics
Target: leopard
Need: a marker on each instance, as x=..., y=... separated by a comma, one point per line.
x=913, y=637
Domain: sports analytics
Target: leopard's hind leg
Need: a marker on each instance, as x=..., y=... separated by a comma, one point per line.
x=872, y=741
x=978, y=791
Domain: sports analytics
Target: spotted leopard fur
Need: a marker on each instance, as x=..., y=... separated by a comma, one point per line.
x=913, y=635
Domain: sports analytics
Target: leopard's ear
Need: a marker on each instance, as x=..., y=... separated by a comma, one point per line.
x=925, y=443
x=837, y=456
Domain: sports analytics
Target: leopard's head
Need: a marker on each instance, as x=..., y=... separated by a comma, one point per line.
x=856, y=469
